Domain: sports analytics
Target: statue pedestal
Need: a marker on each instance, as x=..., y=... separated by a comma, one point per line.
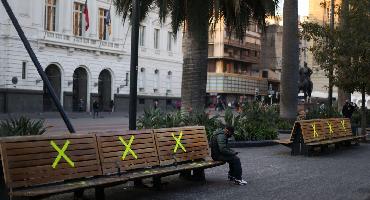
x=303, y=106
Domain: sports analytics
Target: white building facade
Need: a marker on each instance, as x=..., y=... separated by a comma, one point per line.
x=85, y=66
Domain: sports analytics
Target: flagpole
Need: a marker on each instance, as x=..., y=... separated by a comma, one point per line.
x=134, y=64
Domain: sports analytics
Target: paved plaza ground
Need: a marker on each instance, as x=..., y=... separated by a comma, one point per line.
x=270, y=171
x=272, y=174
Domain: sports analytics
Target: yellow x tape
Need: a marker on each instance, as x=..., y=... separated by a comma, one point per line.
x=330, y=128
x=128, y=147
x=343, y=125
x=61, y=154
x=315, y=134
x=178, y=142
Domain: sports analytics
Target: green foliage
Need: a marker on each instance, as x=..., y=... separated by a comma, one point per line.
x=256, y=122
x=21, y=126
x=154, y=119
x=323, y=113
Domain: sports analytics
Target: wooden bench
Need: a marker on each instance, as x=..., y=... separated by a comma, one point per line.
x=307, y=134
x=28, y=171
x=98, y=160
x=195, y=143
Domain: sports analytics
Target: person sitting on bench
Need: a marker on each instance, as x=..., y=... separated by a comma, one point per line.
x=221, y=152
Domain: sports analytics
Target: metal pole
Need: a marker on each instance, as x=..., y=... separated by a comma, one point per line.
x=37, y=64
x=134, y=64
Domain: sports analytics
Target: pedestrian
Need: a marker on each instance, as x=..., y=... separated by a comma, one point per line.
x=81, y=105
x=348, y=109
x=221, y=152
x=155, y=105
x=95, y=109
x=111, y=105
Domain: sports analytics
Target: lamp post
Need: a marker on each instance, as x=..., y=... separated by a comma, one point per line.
x=134, y=63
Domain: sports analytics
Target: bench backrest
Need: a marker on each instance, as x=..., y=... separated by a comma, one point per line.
x=194, y=140
x=112, y=149
x=340, y=127
x=28, y=160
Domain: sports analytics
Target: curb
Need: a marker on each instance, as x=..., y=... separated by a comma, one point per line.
x=243, y=144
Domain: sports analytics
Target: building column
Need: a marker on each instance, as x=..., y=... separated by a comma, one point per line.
x=65, y=16
x=93, y=13
x=38, y=12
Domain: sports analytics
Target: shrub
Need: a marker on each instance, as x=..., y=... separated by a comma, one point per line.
x=21, y=127
x=156, y=119
x=256, y=122
x=323, y=113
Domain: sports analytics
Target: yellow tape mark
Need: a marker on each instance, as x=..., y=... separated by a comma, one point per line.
x=128, y=147
x=61, y=154
x=343, y=125
x=330, y=125
x=178, y=142
x=315, y=134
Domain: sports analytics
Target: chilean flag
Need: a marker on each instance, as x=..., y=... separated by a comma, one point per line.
x=86, y=15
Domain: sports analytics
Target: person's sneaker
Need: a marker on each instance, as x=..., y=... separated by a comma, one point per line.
x=240, y=182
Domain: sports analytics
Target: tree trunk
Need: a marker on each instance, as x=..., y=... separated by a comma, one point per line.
x=290, y=70
x=331, y=70
x=342, y=95
x=195, y=52
x=363, y=112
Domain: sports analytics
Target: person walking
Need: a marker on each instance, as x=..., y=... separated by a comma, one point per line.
x=221, y=152
x=348, y=109
x=111, y=105
x=95, y=109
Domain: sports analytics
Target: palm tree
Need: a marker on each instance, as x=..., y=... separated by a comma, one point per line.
x=290, y=68
x=198, y=16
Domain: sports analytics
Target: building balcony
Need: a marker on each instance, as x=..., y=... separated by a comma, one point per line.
x=238, y=58
x=241, y=44
x=236, y=84
x=78, y=42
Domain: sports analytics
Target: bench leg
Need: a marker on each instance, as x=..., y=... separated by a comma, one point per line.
x=199, y=175
x=157, y=182
x=99, y=193
x=78, y=194
x=186, y=175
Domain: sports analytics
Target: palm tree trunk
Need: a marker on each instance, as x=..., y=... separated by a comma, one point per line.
x=195, y=54
x=290, y=69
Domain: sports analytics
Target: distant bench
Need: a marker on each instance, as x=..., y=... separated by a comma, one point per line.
x=307, y=134
x=40, y=166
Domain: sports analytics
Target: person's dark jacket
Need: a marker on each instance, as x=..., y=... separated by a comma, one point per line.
x=219, y=146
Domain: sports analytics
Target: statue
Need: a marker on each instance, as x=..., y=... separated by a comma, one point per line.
x=305, y=84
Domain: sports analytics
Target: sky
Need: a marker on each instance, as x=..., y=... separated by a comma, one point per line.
x=302, y=7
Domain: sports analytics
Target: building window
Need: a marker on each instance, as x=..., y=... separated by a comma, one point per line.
x=156, y=79
x=50, y=12
x=24, y=70
x=142, y=36
x=169, y=80
x=169, y=41
x=156, y=38
x=77, y=18
x=142, y=79
x=104, y=24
